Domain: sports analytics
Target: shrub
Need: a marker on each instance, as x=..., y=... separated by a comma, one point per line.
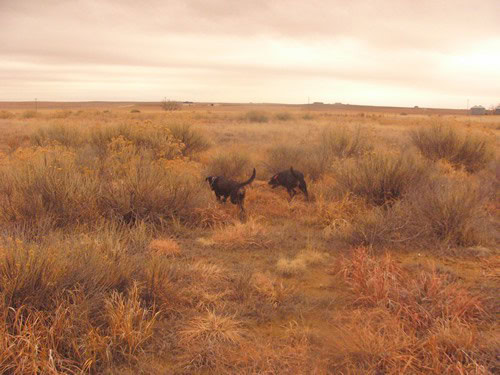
x=145, y=137
x=5, y=115
x=470, y=150
x=418, y=302
x=149, y=192
x=231, y=165
x=135, y=111
x=171, y=105
x=62, y=114
x=250, y=234
x=453, y=210
x=380, y=226
x=343, y=143
x=29, y=114
x=44, y=184
x=283, y=116
x=72, y=304
x=256, y=116
x=298, y=265
x=408, y=323
x=443, y=210
x=281, y=157
x=66, y=135
x=318, y=158
x=194, y=140
x=54, y=187
x=380, y=178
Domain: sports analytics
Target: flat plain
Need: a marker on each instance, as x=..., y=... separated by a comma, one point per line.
x=116, y=258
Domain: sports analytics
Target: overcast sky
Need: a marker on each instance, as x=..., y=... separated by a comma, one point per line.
x=429, y=53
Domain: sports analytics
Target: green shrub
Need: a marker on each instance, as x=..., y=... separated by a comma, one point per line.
x=473, y=151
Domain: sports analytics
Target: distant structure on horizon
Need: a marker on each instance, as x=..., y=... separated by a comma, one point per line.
x=478, y=110
x=497, y=110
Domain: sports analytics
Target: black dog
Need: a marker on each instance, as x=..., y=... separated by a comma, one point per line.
x=290, y=179
x=224, y=187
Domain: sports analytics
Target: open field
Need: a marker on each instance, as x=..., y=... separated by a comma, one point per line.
x=116, y=258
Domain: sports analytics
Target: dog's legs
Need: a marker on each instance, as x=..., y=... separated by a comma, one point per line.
x=242, y=214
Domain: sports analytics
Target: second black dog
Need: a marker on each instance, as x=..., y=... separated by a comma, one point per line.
x=290, y=179
x=224, y=188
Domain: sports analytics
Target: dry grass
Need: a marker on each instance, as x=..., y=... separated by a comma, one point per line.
x=415, y=325
x=298, y=265
x=470, y=150
x=165, y=247
x=116, y=258
x=380, y=178
x=233, y=165
x=250, y=234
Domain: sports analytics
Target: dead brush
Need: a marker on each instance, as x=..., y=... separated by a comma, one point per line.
x=274, y=291
x=380, y=178
x=473, y=151
x=333, y=213
x=299, y=264
x=212, y=328
x=418, y=301
x=165, y=247
x=34, y=342
x=210, y=341
x=378, y=340
x=453, y=209
x=130, y=325
x=248, y=235
x=211, y=216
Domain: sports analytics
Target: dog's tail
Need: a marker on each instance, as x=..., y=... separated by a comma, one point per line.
x=294, y=174
x=249, y=181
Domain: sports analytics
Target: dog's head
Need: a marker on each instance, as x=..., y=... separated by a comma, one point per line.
x=274, y=180
x=211, y=181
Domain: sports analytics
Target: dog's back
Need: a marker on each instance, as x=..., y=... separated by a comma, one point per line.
x=224, y=187
x=290, y=179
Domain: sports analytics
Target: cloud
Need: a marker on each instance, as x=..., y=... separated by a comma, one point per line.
x=449, y=48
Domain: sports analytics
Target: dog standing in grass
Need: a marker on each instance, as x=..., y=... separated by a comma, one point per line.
x=290, y=179
x=224, y=188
